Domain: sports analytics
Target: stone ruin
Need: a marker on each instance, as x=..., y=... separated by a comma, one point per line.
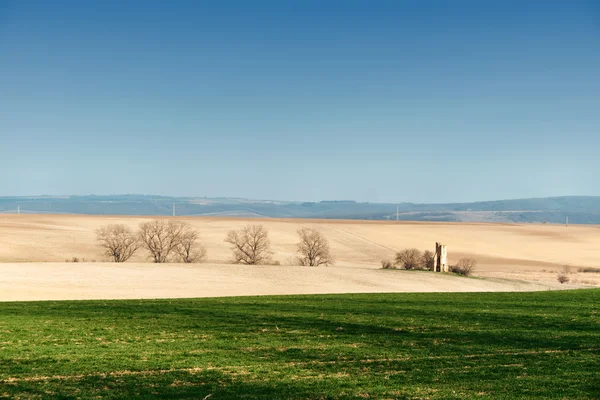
x=440, y=260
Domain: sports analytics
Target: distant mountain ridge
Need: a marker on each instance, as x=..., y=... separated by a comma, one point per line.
x=579, y=209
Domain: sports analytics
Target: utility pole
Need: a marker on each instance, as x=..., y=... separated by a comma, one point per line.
x=173, y=208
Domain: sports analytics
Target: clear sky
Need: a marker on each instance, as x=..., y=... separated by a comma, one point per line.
x=388, y=101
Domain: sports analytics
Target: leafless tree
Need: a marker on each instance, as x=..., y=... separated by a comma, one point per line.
x=118, y=242
x=250, y=245
x=313, y=248
x=464, y=266
x=161, y=238
x=409, y=259
x=189, y=250
x=428, y=260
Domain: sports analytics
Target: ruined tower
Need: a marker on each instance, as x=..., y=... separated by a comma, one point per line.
x=440, y=262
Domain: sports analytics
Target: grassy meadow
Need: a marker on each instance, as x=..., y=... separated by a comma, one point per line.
x=540, y=345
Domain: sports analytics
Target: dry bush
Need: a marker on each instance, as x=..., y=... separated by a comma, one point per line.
x=387, y=264
x=562, y=278
x=409, y=259
x=313, y=248
x=250, y=245
x=162, y=238
x=464, y=266
x=590, y=269
x=428, y=260
x=118, y=242
x=188, y=249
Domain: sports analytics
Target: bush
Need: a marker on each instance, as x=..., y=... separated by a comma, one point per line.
x=590, y=269
x=464, y=266
x=387, y=264
x=76, y=260
x=562, y=278
x=410, y=259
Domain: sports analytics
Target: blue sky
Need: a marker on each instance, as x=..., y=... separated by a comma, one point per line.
x=389, y=101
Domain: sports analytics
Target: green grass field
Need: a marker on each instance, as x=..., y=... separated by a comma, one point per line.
x=386, y=346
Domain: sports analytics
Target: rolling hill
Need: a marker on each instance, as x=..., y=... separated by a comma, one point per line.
x=578, y=209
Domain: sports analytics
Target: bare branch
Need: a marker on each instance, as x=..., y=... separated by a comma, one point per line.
x=428, y=260
x=313, y=248
x=464, y=266
x=161, y=238
x=250, y=245
x=189, y=250
x=118, y=242
x=410, y=259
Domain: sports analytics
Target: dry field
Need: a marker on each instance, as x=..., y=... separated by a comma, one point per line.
x=510, y=257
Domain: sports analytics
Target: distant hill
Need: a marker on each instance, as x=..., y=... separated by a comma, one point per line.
x=579, y=209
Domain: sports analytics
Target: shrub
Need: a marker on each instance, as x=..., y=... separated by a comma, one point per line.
x=464, y=266
x=387, y=264
x=409, y=259
x=562, y=278
x=590, y=269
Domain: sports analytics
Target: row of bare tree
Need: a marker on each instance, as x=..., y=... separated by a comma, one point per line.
x=172, y=241
x=164, y=240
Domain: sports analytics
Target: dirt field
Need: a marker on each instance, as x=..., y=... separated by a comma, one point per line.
x=33, y=249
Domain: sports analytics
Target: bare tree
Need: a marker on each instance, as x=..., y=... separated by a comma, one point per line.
x=250, y=245
x=464, y=266
x=161, y=238
x=409, y=259
x=428, y=260
x=313, y=248
x=189, y=250
x=118, y=242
